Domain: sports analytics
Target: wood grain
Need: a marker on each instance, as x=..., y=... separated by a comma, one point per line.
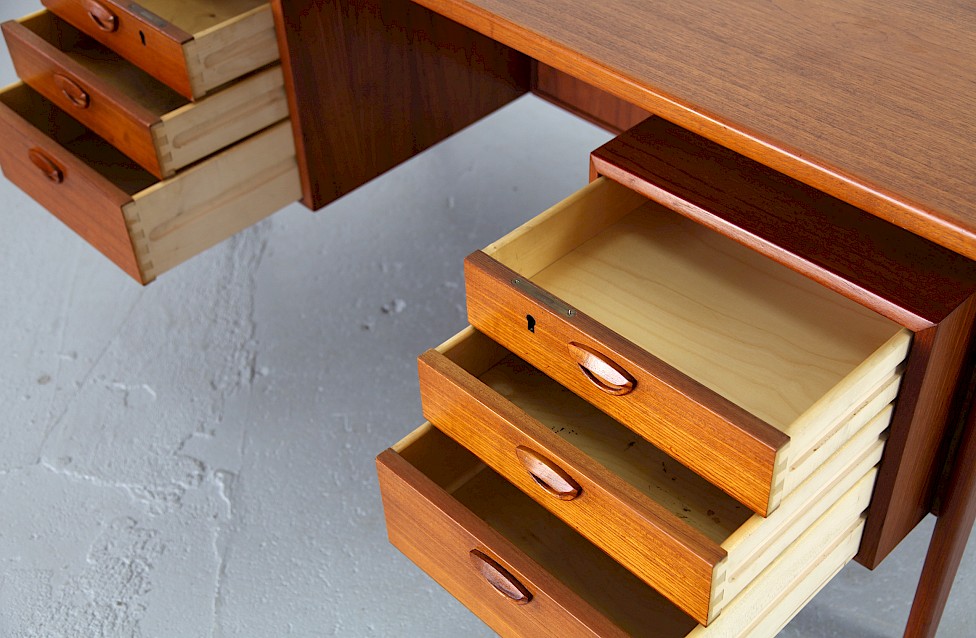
x=398, y=79
x=869, y=102
x=690, y=298
x=633, y=497
x=601, y=108
x=900, y=275
x=770, y=341
x=144, y=225
x=156, y=46
x=912, y=464
x=730, y=447
x=638, y=533
x=957, y=514
x=192, y=47
x=199, y=129
x=124, y=102
x=545, y=555
x=85, y=199
x=207, y=203
x=569, y=579
x=232, y=48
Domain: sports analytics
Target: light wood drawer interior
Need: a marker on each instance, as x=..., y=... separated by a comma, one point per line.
x=441, y=503
x=739, y=367
x=158, y=128
x=145, y=225
x=677, y=532
x=192, y=46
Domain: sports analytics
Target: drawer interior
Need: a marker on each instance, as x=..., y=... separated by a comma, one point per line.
x=558, y=549
x=750, y=541
x=121, y=75
x=196, y=16
x=76, y=138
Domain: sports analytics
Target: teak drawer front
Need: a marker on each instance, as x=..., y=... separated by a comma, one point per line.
x=144, y=225
x=448, y=513
x=678, y=533
x=161, y=130
x=191, y=46
x=731, y=363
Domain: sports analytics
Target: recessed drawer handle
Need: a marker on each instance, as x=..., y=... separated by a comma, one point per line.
x=102, y=16
x=548, y=475
x=601, y=371
x=47, y=165
x=499, y=578
x=72, y=91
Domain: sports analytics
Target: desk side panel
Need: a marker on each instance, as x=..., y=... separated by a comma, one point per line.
x=371, y=84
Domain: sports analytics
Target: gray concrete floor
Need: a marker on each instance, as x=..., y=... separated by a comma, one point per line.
x=195, y=458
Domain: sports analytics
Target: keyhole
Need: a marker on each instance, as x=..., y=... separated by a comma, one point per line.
x=531, y=322
x=142, y=36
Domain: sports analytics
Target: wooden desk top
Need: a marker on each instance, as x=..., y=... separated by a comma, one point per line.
x=872, y=101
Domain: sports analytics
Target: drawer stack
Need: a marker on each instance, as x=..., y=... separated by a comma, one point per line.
x=649, y=429
x=154, y=130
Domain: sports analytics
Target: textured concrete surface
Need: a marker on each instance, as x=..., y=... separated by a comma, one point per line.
x=195, y=458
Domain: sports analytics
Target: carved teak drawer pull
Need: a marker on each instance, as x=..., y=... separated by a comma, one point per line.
x=72, y=91
x=499, y=578
x=548, y=475
x=601, y=371
x=102, y=16
x=47, y=165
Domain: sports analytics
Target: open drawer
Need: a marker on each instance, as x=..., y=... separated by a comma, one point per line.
x=673, y=529
x=525, y=573
x=144, y=225
x=729, y=362
x=158, y=128
x=192, y=46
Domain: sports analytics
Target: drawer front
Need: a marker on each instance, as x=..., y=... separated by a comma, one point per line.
x=76, y=89
x=643, y=536
x=439, y=535
x=72, y=191
x=716, y=438
x=192, y=46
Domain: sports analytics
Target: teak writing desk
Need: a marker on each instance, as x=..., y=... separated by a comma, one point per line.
x=825, y=147
x=871, y=103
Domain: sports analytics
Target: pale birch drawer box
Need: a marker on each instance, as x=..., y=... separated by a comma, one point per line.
x=192, y=46
x=144, y=225
x=678, y=533
x=152, y=124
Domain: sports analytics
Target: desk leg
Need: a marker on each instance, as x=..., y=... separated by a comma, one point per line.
x=948, y=542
